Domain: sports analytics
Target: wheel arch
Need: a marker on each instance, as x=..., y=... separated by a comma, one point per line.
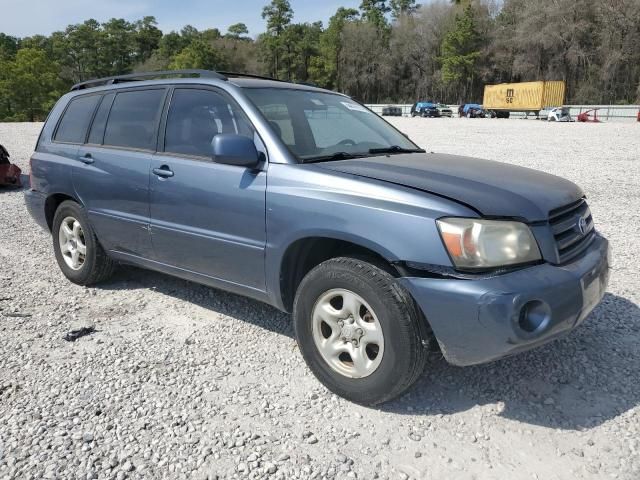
x=303, y=254
x=52, y=203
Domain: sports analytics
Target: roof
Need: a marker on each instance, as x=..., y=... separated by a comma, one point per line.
x=241, y=80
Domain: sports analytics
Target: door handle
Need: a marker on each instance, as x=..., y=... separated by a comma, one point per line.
x=87, y=159
x=164, y=171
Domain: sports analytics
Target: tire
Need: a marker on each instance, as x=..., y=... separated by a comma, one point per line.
x=94, y=266
x=394, y=363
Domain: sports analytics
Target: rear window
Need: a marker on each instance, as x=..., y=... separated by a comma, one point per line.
x=133, y=119
x=76, y=118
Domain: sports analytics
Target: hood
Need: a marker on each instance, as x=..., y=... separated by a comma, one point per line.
x=491, y=188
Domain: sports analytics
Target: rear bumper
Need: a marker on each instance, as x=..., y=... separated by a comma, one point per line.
x=35, y=202
x=476, y=321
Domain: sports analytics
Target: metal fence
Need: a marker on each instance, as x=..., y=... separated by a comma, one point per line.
x=605, y=112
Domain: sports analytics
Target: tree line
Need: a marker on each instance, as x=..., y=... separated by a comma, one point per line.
x=386, y=51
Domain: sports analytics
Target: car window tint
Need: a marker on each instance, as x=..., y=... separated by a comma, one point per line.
x=133, y=118
x=96, y=134
x=196, y=117
x=76, y=118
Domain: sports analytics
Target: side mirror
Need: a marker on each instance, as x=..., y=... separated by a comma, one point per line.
x=231, y=149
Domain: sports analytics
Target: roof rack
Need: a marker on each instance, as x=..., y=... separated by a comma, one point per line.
x=250, y=75
x=132, y=77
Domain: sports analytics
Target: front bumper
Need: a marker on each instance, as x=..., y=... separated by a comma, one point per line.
x=476, y=321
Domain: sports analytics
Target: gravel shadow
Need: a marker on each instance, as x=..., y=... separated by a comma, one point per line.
x=577, y=382
x=218, y=301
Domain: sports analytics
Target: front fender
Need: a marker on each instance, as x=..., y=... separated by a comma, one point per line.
x=396, y=222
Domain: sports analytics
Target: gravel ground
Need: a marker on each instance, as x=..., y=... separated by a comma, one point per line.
x=183, y=381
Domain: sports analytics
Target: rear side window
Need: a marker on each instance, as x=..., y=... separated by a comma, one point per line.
x=196, y=117
x=96, y=134
x=76, y=118
x=133, y=119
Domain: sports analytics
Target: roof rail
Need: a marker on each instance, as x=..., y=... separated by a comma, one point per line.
x=250, y=75
x=132, y=77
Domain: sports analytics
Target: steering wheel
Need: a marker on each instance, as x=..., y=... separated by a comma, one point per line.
x=347, y=141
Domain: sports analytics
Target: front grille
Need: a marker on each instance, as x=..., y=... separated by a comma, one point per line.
x=564, y=221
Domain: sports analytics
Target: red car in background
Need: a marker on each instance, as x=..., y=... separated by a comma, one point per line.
x=9, y=173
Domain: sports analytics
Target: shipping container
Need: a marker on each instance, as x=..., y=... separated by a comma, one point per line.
x=523, y=97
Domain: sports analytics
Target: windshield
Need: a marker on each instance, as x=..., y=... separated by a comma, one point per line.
x=319, y=126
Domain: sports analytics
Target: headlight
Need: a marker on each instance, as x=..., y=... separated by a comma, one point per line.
x=475, y=243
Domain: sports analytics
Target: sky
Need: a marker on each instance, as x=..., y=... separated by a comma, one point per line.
x=22, y=18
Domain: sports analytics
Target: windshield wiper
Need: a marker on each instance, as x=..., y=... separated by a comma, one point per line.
x=333, y=156
x=396, y=149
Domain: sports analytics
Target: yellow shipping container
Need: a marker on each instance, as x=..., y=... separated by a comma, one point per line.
x=524, y=96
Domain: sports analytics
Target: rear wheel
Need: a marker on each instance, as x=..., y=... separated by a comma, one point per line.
x=359, y=331
x=78, y=253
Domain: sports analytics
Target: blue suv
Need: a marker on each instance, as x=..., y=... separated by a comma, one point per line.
x=305, y=199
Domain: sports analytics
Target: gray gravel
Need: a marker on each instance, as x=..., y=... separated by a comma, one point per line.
x=182, y=381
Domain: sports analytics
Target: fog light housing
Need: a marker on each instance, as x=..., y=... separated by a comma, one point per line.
x=534, y=316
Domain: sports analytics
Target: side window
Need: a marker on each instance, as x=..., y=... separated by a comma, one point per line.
x=133, y=119
x=75, y=120
x=96, y=135
x=196, y=116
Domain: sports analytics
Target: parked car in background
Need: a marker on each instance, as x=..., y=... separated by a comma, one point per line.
x=445, y=110
x=425, y=109
x=473, y=110
x=9, y=173
x=560, y=114
x=304, y=199
x=392, y=111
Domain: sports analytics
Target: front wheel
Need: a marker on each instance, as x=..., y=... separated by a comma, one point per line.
x=359, y=331
x=80, y=257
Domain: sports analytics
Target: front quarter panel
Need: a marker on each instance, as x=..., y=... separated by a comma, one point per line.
x=396, y=222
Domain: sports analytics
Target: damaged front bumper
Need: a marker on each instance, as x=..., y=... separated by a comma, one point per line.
x=476, y=321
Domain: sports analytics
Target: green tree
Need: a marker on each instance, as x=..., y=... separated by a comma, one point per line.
x=460, y=52
x=8, y=46
x=118, y=44
x=278, y=15
x=30, y=83
x=147, y=38
x=237, y=30
x=171, y=44
x=79, y=49
x=199, y=54
x=300, y=42
x=402, y=7
x=325, y=66
x=375, y=11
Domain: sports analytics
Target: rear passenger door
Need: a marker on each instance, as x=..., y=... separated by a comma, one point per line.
x=206, y=217
x=112, y=176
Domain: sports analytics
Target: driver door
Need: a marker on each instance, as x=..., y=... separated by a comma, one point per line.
x=207, y=218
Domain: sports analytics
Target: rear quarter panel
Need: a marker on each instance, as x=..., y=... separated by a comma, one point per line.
x=51, y=163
